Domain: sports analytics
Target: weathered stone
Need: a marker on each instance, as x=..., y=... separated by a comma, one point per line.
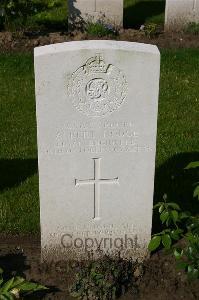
x=97, y=105
x=108, y=12
x=179, y=13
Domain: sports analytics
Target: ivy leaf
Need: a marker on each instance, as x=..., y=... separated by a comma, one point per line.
x=154, y=243
x=164, y=216
x=166, y=241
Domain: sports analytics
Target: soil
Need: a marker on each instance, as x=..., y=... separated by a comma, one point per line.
x=157, y=279
x=27, y=41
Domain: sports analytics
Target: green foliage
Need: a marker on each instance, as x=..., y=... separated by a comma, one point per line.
x=17, y=14
x=16, y=287
x=150, y=29
x=105, y=279
x=194, y=165
x=99, y=29
x=188, y=257
x=172, y=217
x=192, y=28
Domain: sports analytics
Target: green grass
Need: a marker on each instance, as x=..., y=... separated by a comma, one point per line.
x=177, y=143
x=19, y=207
x=136, y=13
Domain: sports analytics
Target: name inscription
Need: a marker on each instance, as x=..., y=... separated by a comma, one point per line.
x=97, y=137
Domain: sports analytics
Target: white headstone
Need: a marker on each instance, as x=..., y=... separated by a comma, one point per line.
x=97, y=104
x=181, y=12
x=108, y=12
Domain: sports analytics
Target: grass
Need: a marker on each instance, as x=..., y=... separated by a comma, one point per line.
x=136, y=13
x=177, y=142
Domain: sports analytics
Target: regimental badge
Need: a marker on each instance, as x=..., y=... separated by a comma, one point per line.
x=96, y=88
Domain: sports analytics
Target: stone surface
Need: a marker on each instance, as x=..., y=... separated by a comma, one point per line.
x=181, y=12
x=97, y=105
x=109, y=12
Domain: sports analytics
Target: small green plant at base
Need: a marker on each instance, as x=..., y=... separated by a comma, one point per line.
x=99, y=28
x=104, y=279
x=17, y=287
x=150, y=29
x=192, y=28
x=171, y=215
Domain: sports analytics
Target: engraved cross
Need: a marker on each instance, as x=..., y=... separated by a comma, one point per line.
x=96, y=182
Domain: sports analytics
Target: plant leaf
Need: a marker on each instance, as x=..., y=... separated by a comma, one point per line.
x=192, y=165
x=6, y=296
x=164, y=216
x=30, y=286
x=174, y=205
x=7, y=286
x=175, y=235
x=154, y=243
x=158, y=204
x=196, y=192
x=178, y=253
x=181, y=265
x=174, y=214
x=17, y=281
x=166, y=241
x=161, y=208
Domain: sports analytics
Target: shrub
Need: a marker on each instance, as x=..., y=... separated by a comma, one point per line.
x=15, y=13
x=105, y=279
x=180, y=224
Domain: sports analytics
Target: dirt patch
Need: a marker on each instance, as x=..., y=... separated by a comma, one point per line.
x=156, y=279
x=27, y=41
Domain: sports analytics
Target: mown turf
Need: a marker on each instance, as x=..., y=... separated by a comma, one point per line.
x=53, y=18
x=177, y=143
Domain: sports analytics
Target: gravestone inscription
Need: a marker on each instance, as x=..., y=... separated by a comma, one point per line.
x=97, y=107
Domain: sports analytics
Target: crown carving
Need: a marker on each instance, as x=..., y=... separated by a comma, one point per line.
x=96, y=64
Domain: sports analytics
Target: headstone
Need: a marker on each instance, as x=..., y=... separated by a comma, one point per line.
x=179, y=13
x=97, y=104
x=107, y=12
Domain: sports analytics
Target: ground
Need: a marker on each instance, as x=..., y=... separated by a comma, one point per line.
x=157, y=279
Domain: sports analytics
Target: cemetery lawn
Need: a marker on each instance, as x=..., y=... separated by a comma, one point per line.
x=136, y=13
x=19, y=197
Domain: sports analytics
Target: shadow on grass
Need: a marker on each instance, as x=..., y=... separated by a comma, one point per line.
x=172, y=179
x=137, y=14
x=14, y=171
